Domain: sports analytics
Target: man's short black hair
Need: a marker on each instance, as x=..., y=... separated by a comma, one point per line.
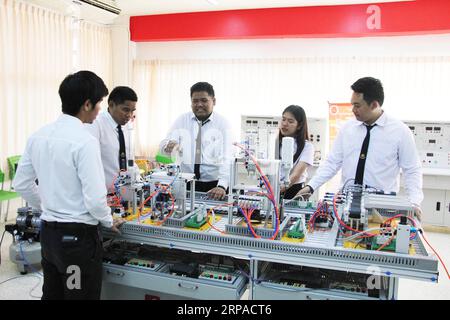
x=203, y=86
x=371, y=88
x=119, y=94
x=78, y=87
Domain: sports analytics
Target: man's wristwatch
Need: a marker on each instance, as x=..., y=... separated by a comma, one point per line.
x=222, y=187
x=311, y=190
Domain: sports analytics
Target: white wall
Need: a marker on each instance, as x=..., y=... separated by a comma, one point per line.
x=428, y=45
x=408, y=96
x=124, y=51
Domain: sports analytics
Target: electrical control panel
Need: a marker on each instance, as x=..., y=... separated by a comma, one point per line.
x=432, y=142
x=144, y=264
x=210, y=247
x=218, y=274
x=132, y=272
x=260, y=132
x=313, y=283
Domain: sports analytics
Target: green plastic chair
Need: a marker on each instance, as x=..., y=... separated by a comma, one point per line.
x=6, y=195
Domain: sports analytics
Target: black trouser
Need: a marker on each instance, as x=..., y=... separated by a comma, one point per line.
x=293, y=190
x=203, y=186
x=71, y=260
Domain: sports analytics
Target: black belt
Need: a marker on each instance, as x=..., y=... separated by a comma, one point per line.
x=68, y=225
x=292, y=191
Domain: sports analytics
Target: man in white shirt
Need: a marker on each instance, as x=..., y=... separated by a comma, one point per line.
x=65, y=159
x=112, y=129
x=372, y=148
x=202, y=139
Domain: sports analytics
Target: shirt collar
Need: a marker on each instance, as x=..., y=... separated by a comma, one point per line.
x=111, y=120
x=194, y=118
x=66, y=118
x=381, y=121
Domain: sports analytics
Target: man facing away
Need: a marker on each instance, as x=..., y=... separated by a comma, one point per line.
x=65, y=159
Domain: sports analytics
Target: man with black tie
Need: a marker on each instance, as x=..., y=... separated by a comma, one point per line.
x=112, y=130
x=372, y=148
x=202, y=137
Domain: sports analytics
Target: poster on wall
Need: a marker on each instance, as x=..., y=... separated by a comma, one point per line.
x=338, y=114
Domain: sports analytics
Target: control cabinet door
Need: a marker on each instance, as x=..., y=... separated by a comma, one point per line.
x=433, y=207
x=447, y=209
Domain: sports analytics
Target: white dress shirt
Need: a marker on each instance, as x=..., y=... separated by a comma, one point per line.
x=307, y=156
x=216, y=146
x=104, y=128
x=391, y=148
x=65, y=159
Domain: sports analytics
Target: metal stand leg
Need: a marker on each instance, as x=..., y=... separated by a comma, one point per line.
x=7, y=210
x=253, y=276
x=7, y=203
x=393, y=288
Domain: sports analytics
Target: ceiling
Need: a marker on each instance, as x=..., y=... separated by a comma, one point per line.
x=146, y=7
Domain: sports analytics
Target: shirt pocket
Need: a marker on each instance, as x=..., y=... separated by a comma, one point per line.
x=351, y=148
x=212, y=146
x=384, y=152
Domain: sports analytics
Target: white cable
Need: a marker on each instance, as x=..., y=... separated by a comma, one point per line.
x=25, y=276
x=363, y=232
x=213, y=214
x=345, y=184
x=37, y=284
x=298, y=196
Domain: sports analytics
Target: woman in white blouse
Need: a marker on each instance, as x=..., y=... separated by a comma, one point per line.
x=295, y=125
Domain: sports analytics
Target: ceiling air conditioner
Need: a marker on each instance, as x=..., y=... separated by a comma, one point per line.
x=107, y=5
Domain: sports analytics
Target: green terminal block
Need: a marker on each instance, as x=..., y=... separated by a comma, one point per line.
x=296, y=231
x=390, y=247
x=193, y=223
x=296, y=234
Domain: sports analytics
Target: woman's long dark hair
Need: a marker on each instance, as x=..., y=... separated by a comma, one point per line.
x=302, y=133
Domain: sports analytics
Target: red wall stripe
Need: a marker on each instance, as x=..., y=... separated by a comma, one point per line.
x=397, y=18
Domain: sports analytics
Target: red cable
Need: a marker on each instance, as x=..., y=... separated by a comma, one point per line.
x=249, y=223
x=171, y=211
x=269, y=187
x=212, y=209
x=163, y=189
x=116, y=200
x=389, y=241
x=442, y=262
x=400, y=215
x=386, y=243
x=342, y=223
x=313, y=217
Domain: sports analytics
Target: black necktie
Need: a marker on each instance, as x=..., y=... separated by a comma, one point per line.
x=122, y=153
x=198, y=149
x=362, y=157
